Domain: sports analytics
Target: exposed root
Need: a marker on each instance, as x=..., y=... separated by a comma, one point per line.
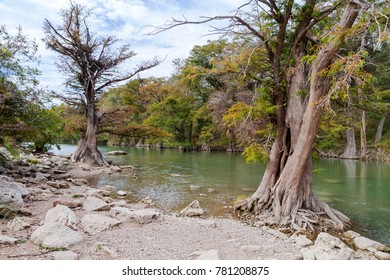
x=320, y=217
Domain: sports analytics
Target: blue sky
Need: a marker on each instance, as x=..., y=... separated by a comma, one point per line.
x=125, y=19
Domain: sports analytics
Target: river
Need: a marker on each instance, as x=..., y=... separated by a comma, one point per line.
x=173, y=179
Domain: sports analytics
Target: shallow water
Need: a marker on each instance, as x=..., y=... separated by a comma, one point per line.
x=361, y=190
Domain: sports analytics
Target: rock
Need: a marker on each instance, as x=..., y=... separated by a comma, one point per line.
x=328, y=247
x=350, y=234
x=71, y=203
x=85, y=167
x=147, y=200
x=58, y=184
x=40, y=179
x=364, y=243
x=209, y=255
x=17, y=224
x=109, y=188
x=307, y=254
x=65, y=255
x=11, y=198
x=193, y=209
x=302, y=241
x=97, y=193
x=55, y=236
x=8, y=183
x=125, y=167
x=382, y=255
x=121, y=193
x=79, y=182
x=101, y=248
x=142, y=216
x=93, y=223
x=116, y=153
x=5, y=153
x=114, y=168
x=61, y=215
x=6, y=240
x=120, y=203
x=92, y=203
x=210, y=190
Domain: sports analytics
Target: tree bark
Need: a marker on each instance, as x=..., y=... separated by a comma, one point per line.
x=284, y=196
x=87, y=150
x=350, y=149
x=379, y=131
x=363, y=137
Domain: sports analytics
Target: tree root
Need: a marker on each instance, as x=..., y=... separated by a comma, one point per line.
x=320, y=217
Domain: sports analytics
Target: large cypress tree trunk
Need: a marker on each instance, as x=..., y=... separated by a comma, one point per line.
x=87, y=150
x=285, y=195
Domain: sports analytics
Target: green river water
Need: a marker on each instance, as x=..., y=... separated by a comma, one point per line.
x=361, y=190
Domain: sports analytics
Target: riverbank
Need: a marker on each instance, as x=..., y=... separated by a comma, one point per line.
x=59, y=215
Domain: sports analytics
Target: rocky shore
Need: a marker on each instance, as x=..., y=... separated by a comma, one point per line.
x=48, y=210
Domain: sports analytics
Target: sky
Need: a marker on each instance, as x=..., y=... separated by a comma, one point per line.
x=128, y=20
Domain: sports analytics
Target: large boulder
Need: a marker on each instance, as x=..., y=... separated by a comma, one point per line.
x=142, y=216
x=94, y=223
x=62, y=215
x=328, y=247
x=54, y=235
x=8, y=183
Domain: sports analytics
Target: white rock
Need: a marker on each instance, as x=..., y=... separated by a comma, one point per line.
x=65, y=255
x=8, y=183
x=62, y=215
x=307, y=254
x=193, y=209
x=303, y=241
x=365, y=243
x=328, y=247
x=55, y=236
x=7, y=240
x=121, y=193
x=10, y=197
x=97, y=192
x=382, y=255
x=350, y=234
x=142, y=216
x=92, y=203
x=94, y=223
x=17, y=224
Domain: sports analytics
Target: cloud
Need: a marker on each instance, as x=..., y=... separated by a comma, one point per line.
x=125, y=19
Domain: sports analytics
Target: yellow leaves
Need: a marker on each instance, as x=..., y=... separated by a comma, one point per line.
x=236, y=113
x=255, y=153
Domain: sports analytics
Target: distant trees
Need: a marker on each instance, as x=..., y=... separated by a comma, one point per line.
x=91, y=63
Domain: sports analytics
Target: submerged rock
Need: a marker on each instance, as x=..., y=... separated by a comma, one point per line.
x=116, y=153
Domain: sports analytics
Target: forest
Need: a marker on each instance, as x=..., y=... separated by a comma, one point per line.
x=288, y=81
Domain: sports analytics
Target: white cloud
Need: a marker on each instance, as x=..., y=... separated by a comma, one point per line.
x=125, y=19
